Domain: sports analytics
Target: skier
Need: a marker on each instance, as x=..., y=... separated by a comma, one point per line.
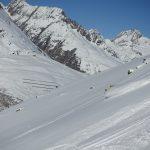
x=144, y=60
x=130, y=71
x=19, y=109
x=108, y=88
x=91, y=87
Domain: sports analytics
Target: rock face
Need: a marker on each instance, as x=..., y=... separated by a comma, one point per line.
x=6, y=100
x=1, y=6
x=67, y=42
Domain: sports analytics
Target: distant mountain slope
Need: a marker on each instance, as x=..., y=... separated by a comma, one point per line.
x=66, y=41
x=61, y=38
x=131, y=44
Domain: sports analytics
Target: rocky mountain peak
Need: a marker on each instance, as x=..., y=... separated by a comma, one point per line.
x=45, y=12
x=131, y=32
x=96, y=37
x=131, y=35
x=17, y=2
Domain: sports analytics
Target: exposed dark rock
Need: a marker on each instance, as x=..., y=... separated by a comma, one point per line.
x=1, y=6
x=6, y=100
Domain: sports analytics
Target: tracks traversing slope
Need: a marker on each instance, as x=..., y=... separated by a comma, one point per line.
x=45, y=85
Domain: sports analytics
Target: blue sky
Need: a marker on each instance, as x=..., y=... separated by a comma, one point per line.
x=109, y=17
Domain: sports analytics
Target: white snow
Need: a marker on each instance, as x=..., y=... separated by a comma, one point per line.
x=78, y=117
x=12, y=40
x=67, y=110
x=24, y=71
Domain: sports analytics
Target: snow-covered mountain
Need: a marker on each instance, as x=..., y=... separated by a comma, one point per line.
x=131, y=44
x=61, y=38
x=66, y=41
x=25, y=72
x=63, y=109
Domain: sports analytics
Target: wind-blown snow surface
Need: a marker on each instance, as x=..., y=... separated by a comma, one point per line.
x=84, y=115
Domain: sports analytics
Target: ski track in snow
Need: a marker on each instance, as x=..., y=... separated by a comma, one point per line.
x=84, y=104
x=119, y=133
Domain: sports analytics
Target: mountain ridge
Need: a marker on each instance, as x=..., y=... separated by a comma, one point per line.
x=69, y=43
x=61, y=45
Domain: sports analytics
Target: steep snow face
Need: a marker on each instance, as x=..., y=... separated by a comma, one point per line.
x=12, y=40
x=61, y=38
x=130, y=44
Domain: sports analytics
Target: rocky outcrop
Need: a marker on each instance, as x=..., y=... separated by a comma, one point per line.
x=6, y=100
x=1, y=6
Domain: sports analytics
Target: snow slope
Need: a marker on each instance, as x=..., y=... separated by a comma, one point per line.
x=30, y=76
x=25, y=72
x=65, y=110
x=84, y=116
x=12, y=40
